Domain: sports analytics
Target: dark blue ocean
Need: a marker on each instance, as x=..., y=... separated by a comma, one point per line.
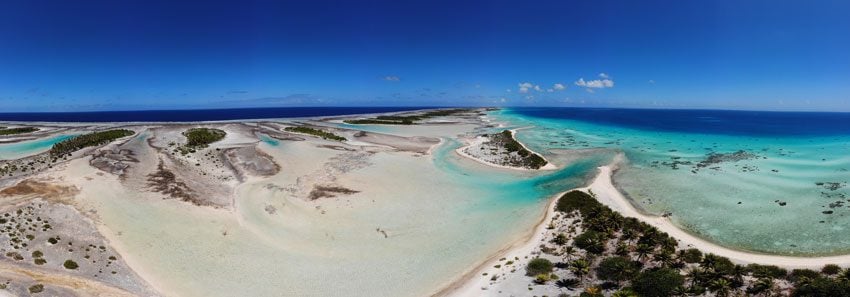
x=194, y=115
x=725, y=122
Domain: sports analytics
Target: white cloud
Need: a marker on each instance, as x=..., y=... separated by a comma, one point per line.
x=595, y=84
x=559, y=87
x=526, y=86
x=391, y=78
x=603, y=75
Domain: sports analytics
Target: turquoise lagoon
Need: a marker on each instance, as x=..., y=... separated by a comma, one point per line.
x=766, y=189
x=10, y=151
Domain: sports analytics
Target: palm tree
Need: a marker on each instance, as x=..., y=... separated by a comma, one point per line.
x=844, y=275
x=720, y=287
x=622, y=250
x=580, y=268
x=738, y=273
x=709, y=262
x=568, y=252
x=665, y=257
x=695, y=275
x=629, y=235
x=762, y=285
x=643, y=250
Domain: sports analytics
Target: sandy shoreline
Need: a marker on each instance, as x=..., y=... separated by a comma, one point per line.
x=472, y=283
x=606, y=193
x=480, y=139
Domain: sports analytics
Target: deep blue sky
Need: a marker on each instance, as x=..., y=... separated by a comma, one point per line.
x=96, y=55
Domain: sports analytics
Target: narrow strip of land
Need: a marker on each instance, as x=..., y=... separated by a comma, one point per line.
x=608, y=195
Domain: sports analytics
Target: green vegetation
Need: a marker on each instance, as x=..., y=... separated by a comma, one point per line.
x=38, y=288
x=647, y=262
x=591, y=241
x=691, y=255
x=660, y=282
x=617, y=269
x=830, y=269
x=199, y=138
x=86, y=140
x=405, y=120
x=527, y=158
x=316, y=132
x=70, y=264
x=13, y=131
x=202, y=137
x=539, y=266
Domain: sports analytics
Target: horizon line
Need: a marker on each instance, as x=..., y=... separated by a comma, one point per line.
x=415, y=107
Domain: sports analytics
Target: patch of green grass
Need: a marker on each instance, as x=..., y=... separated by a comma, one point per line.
x=316, y=132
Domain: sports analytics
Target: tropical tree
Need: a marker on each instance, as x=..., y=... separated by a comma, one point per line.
x=760, y=286
x=644, y=250
x=659, y=282
x=720, y=287
x=580, y=268
x=617, y=269
x=625, y=293
x=844, y=275
x=628, y=236
x=568, y=252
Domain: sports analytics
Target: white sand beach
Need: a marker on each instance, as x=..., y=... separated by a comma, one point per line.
x=608, y=194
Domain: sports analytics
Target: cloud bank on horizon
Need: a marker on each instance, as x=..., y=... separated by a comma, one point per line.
x=99, y=55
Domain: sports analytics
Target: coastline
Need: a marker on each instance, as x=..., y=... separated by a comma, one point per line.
x=480, y=139
x=471, y=283
x=607, y=194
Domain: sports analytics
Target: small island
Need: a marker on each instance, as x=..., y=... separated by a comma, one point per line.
x=86, y=140
x=315, y=132
x=15, y=131
x=411, y=119
x=503, y=150
x=202, y=137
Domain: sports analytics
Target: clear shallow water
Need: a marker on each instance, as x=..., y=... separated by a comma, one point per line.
x=22, y=149
x=734, y=203
x=443, y=215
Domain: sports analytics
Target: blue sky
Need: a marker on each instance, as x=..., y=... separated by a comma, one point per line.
x=108, y=55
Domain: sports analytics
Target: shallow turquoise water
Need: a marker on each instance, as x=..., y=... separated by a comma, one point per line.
x=734, y=203
x=27, y=148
